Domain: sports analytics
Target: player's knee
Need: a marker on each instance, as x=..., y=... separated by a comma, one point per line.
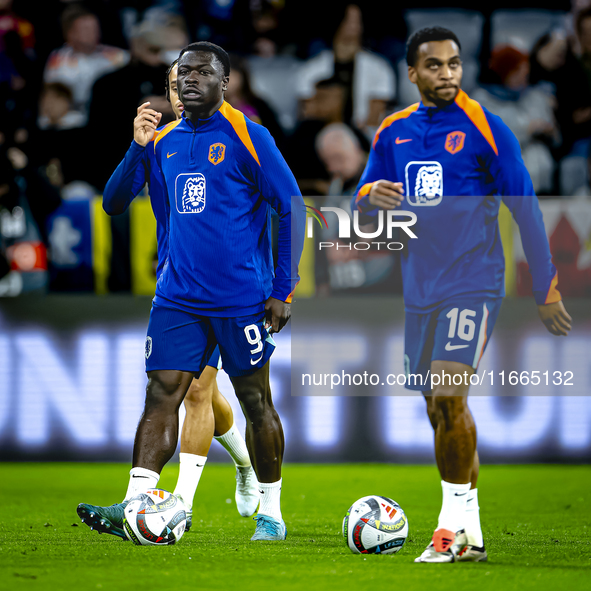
x=253, y=400
x=164, y=389
x=199, y=394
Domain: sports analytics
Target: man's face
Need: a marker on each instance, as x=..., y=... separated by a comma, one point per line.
x=437, y=72
x=84, y=34
x=341, y=157
x=200, y=83
x=175, y=101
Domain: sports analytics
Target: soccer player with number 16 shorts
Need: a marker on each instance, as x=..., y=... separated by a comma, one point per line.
x=451, y=162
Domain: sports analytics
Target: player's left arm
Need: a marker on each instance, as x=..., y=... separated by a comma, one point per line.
x=515, y=186
x=279, y=188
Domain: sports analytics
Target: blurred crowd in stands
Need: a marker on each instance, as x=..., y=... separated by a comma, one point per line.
x=320, y=76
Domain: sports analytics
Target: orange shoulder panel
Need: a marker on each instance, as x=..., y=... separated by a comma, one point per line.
x=160, y=134
x=237, y=121
x=476, y=114
x=394, y=117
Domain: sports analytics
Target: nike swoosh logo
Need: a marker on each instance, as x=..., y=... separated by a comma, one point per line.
x=460, y=495
x=169, y=155
x=450, y=347
x=399, y=141
x=262, y=492
x=255, y=361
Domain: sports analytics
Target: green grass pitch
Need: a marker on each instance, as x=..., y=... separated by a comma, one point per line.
x=536, y=520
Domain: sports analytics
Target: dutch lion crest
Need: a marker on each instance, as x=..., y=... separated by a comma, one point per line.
x=429, y=183
x=216, y=153
x=193, y=199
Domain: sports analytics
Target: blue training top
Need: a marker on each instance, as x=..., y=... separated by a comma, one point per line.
x=456, y=163
x=222, y=176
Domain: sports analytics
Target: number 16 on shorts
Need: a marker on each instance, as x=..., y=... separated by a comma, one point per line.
x=464, y=329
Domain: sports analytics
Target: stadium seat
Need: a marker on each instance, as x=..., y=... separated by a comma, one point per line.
x=573, y=174
x=273, y=79
x=408, y=93
x=466, y=24
x=522, y=28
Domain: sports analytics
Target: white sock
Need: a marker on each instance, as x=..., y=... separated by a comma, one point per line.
x=473, y=529
x=453, y=509
x=190, y=470
x=140, y=481
x=270, y=499
x=234, y=444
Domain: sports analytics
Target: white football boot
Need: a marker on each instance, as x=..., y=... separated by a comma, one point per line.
x=472, y=554
x=445, y=546
x=247, y=491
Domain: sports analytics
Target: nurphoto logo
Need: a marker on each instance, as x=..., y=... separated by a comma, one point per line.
x=387, y=220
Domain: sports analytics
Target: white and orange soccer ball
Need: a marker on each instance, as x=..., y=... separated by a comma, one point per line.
x=375, y=525
x=154, y=518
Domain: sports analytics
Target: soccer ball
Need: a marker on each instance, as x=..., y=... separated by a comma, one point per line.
x=154, y=518
x=375, y=525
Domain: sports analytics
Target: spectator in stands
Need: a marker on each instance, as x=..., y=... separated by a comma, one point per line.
x=527, y=110
x=54, y=144
x=326, y=106
x=82, y=60
x=368, y=79
x=56, y=108
x=343, y=270
x=12, y=23
x=19, y=84
x=116, y=96
x=341, y=153
x=583, y=23
x=552, y=60
x=241, y=96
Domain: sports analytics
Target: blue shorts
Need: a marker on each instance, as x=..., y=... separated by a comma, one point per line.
x=458, y=330
x=215, y=360
x=179, y=340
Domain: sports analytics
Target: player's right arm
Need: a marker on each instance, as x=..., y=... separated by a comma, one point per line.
x=374, y=190
x=131, y=175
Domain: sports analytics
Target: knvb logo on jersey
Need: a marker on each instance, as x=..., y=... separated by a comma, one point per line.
x=217, y=153
x=424, y=183
x=454, y=141
x=384, y=220
x=190, y=193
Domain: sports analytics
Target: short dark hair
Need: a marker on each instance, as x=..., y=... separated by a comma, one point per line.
x=71, y=14
x=424, y=36
x=208, y=47
x=167, y=80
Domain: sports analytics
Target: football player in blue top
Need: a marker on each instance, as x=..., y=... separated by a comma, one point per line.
x=452, y=162
x=222, y=174
x=208, y=412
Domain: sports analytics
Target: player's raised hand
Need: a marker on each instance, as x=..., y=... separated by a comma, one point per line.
x=386, y=194
x=145, y=124
x=556, y=318
x=277, y=313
